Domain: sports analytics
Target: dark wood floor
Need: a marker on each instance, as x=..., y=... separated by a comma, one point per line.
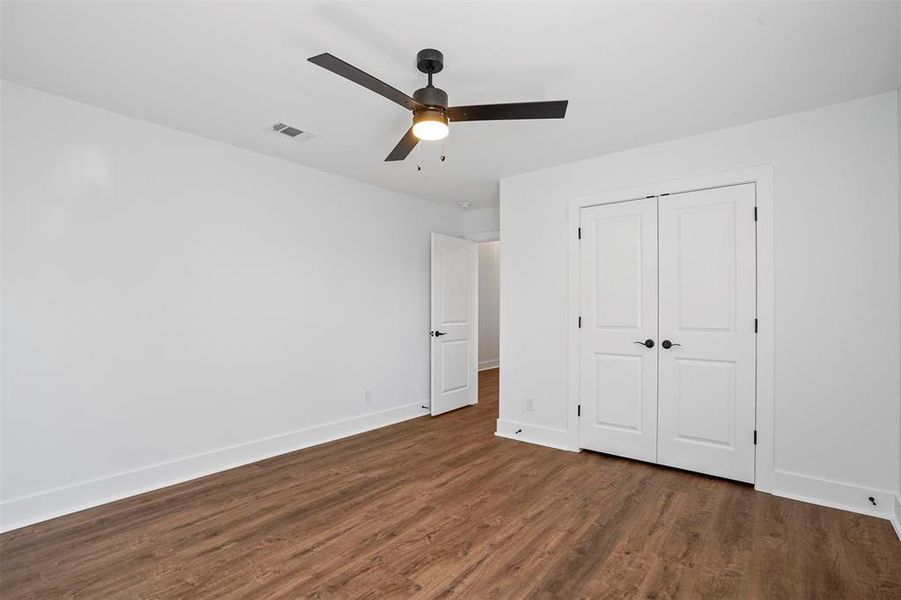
x=441, y=507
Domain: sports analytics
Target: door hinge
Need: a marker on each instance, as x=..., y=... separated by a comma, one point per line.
x=579, y=410
x=755, y=213
x=755, y=325
x=755, y=437
x=580, y=233
x=580, y=322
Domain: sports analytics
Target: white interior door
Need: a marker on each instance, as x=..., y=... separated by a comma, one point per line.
x=707, y=396
x=619, y=313
x=455, y=318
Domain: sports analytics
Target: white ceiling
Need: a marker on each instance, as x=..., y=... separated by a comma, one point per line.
x=634, y=73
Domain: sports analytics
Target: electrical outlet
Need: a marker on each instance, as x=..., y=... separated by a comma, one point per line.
x=367, y=395
x=530, y=404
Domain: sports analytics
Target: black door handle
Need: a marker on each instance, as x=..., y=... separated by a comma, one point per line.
x=668, y=344
x=438, y=333
x=647, y=343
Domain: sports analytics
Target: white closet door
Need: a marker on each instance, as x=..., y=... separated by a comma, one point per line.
x=707, y=309
x=619, y=308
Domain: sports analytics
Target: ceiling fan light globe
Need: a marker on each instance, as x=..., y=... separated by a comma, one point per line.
x=430, y=130
x=430, y=124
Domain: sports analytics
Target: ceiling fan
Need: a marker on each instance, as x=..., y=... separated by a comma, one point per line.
x=429, y=104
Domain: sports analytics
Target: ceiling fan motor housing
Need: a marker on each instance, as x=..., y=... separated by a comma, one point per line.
x=435, y=105
x=431, y=96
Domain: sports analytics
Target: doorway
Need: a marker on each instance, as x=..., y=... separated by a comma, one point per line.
x=489, y=305
x=465, y=313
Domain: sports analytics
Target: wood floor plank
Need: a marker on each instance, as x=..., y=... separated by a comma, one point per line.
x=442, y=508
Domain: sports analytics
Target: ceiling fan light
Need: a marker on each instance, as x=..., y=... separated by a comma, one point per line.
x=430, y=130
x=430, y=125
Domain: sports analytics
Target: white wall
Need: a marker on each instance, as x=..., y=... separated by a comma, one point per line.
x=836, y=254
x=489, y=290
x=175, y=305
x=897, y=508
x=482, y=224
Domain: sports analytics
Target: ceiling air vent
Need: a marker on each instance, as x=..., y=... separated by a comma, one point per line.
x=291, y=132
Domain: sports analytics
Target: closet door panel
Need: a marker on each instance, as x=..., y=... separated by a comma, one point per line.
x=707, y=269
x=618, y=387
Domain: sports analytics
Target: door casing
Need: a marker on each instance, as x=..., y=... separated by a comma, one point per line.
x=762, y=177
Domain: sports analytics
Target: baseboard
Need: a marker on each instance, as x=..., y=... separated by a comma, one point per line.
x=26, y=510
x=533, y=434
x=896, y=516
x=489, y=364
x=834, y=494
x=795, y=486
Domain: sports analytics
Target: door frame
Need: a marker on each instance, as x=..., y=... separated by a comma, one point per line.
x=762, y=177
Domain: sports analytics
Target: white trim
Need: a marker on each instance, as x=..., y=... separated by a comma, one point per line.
x=25, y=510
x=484, y=236
x=762, y=176
x=896, y=516
x=487, y=365
x=533, y=434
x=834, y=494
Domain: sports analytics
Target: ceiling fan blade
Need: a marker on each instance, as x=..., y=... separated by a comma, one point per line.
x=554, y=109
x=404, y=146
x=348, y=71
